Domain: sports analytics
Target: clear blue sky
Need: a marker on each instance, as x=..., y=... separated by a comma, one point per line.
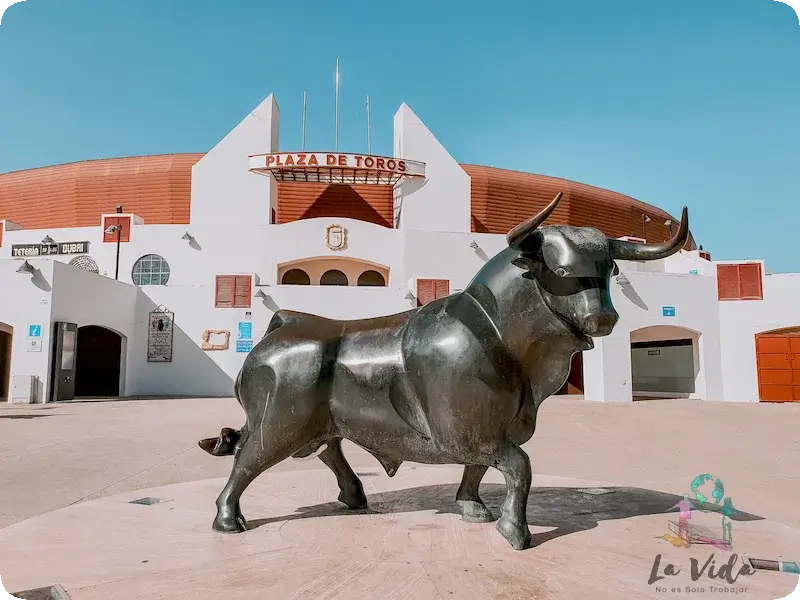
x=691, y=102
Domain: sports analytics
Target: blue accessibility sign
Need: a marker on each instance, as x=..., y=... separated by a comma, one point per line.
x=668, y=311
x=245, y=330
x=244, y=345
x=34, y=331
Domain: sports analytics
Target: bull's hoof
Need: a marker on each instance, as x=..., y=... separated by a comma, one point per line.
x=230, y=524
x=475, y=512
x=517, y=535
x=353, y=499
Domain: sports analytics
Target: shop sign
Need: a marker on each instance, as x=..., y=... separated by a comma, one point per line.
x=33, y=250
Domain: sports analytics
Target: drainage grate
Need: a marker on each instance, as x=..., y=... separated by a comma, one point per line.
x=53, y=592
x=147, y=501
x=595, y=491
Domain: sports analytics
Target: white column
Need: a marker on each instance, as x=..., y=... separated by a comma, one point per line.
x=607, y=370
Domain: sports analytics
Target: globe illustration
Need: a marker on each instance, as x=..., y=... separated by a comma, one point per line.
x=708, y=492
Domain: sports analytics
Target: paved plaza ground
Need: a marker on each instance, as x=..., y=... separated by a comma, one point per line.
x=89, y=459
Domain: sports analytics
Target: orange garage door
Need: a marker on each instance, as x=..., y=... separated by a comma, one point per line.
x=778, y=360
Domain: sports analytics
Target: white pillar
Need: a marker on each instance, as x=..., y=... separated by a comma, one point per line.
x=607, y=370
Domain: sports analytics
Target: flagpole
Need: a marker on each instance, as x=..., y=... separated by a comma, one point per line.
x=336, y=145
x=305, y=108
x=369, y=130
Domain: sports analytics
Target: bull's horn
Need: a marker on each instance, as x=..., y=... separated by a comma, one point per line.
x=623, y=250
x=517, y=235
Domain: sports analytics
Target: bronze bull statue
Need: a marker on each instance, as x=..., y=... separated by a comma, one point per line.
x=457, y=381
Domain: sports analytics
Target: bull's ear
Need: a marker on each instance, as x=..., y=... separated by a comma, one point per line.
x=527, y=263
x=615, y=272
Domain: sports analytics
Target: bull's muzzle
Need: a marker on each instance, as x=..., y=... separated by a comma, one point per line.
x=599, y=325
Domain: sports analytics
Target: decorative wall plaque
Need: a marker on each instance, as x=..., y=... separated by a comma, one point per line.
x=336, y=237
x=216, y=339
x=159, y=335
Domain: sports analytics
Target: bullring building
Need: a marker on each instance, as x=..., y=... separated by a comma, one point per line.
x=155, y=275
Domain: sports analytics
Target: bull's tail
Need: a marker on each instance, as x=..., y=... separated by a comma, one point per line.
x=226, y=442
x=223, y=445
x=229, y=440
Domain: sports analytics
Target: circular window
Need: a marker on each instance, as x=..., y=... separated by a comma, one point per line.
x=333, y=277
x=295, y=277
x=151, y=269
x=85, y=263
x=371, y=278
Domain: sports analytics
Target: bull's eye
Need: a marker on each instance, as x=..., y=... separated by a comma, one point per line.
x=561, y=272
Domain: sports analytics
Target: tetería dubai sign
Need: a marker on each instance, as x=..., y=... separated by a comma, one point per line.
x=335, y=167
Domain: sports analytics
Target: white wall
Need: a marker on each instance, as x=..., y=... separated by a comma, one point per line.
x=24, y=300
x=741, y=320
x=224, y=191
x=440, y=202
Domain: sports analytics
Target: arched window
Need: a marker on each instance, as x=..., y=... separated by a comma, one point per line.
x=333, y=277
x=86, y=263
x=371, y=278
x=295, y=277
x=151, y=269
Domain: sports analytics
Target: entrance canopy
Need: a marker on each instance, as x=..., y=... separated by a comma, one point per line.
x=326, y=167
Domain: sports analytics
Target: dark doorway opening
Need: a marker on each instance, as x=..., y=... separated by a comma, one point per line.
x=5, y=365
x=97, y=362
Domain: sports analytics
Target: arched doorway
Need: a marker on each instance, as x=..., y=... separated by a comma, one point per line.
x=778, y=365
x=665, y=362
x=98, y=362
x=333, y=277
x=6, y=336
x=295, y=277
x=371, y=278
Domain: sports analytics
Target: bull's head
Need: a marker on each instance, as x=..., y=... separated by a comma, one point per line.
x=573, y=267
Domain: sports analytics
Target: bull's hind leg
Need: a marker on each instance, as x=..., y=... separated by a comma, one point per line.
x=251, y=460
x=473, y=510
x=352, y=492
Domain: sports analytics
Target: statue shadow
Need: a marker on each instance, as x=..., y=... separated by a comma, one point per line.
x=14, y=417
x=632, y=295
x=566, y=510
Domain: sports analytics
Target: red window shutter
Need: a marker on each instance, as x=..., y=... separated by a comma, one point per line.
x=426, y=291
x=242, y=288
x=2, y=228
x=223, y=297
x=442, y=288
x=125, y=232
x=728, y=282
x=750, y=287
x=705, y=255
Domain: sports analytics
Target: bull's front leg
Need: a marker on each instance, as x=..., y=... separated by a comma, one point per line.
x=515, y=466
x=473, y=510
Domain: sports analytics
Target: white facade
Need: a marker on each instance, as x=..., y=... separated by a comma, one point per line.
x=230, y=233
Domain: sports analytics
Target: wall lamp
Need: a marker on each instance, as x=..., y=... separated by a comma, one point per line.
x=474, y=245
x=48, y=240
x=187, y=237
x=410, y=296
x=26, y=267
x=261, y=294
x=622, y=280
